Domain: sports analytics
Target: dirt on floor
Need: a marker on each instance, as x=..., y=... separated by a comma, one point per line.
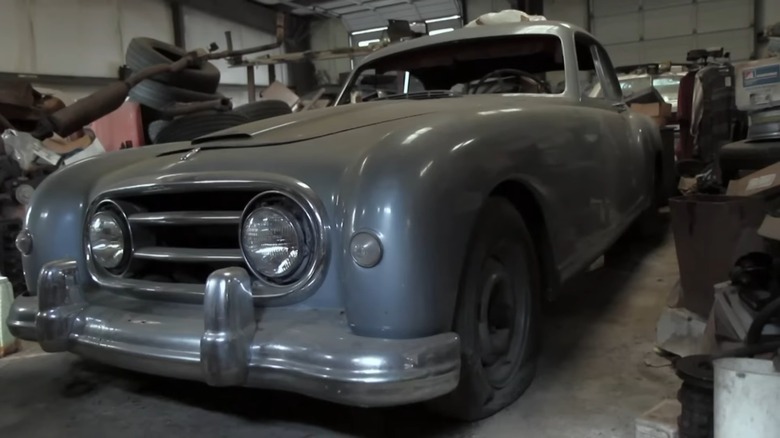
x=596, y=375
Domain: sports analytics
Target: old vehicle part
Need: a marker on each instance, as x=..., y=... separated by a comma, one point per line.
x=746, y=156
x=752, y=270
x=147, y=52
x=764, y=125
x=695, y=396
x=263, y=109
x=73, y=117
x=161, y=97
x=191, y=126
x=496, y=315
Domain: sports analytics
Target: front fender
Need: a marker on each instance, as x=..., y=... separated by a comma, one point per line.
x=420, y=189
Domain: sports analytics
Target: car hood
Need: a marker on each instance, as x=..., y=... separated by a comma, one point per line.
x=313, y=124
x=307, y=125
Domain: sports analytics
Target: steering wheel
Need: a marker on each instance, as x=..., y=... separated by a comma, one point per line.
x=502, y=74
x=377, y=94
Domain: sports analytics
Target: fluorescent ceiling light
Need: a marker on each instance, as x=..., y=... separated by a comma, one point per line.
x=376, y=29
x=436, y=20
x=438, y=31
x=367, y=43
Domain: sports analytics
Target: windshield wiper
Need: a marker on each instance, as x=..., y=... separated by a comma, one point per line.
x=419, y=95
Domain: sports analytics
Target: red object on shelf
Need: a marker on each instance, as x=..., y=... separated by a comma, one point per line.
x=120, y=129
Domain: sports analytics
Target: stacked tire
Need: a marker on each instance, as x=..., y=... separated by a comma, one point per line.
x=191, y=85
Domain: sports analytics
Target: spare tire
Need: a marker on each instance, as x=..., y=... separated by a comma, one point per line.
x=159, y=96
x=263, y=109
x=147, y=52
x=189, y=127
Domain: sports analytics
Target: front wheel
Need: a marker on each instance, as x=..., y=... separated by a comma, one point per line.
x=496, y=316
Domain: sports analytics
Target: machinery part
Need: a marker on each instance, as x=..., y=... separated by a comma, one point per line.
x=753, y=335
x=695, y=396
x=496, y=316
x=263, y=109
x=147, y=52
x=764, y=125
x=160, y=96
x=752, y=270
x=747, y=393
x=189, y=127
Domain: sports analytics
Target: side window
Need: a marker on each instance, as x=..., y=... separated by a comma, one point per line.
x=594, y=75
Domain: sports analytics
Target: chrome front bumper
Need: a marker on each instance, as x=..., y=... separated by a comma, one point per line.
x=225, y=342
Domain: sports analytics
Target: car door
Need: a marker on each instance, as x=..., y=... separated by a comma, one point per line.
x=621, y=152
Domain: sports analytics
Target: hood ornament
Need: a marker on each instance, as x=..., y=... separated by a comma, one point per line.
x=189, y=154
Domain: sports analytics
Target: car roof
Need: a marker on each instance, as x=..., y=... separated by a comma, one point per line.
x=557, y=28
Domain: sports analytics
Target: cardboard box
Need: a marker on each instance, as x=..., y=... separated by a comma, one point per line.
x=764, y=182
x=278, y=91
x=658, y=111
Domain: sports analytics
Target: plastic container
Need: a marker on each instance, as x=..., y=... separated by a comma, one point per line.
x=747, y=396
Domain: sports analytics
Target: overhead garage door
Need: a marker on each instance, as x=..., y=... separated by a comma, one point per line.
x=648, y=31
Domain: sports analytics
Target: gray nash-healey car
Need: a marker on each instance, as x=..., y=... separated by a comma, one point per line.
x=392, y=249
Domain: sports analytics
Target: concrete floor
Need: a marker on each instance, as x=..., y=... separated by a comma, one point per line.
x=592, y=382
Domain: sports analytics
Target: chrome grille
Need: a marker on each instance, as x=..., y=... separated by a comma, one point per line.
x=181, y=236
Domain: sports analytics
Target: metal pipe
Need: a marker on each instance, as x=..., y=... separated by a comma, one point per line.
x=233, y=56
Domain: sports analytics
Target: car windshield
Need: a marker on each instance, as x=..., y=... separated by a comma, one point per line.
x=517, y=64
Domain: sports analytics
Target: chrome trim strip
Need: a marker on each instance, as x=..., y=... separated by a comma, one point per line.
x=155, y=290
x=186, y=218
x=188, y=255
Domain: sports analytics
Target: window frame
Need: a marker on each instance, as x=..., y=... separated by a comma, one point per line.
x=602, y=66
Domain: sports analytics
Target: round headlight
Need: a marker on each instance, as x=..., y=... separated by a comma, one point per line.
x=107, y=240
x=272, y=242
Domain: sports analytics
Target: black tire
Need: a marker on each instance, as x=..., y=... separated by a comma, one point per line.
x=147, y=52
x=189, y=127
x=155, y=128
x=263, y=109
x=498, y=301
x=159, y=96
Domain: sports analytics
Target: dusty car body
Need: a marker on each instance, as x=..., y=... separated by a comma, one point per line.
x=387, y=197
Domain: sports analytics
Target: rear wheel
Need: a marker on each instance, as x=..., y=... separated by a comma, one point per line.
x=496, y=316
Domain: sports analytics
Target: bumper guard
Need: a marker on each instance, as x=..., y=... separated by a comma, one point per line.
x=225, y=342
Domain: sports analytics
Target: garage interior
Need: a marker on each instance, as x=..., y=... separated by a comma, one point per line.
x=670, y=331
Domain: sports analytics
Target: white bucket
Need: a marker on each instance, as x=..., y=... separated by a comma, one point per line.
x=747, y=396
